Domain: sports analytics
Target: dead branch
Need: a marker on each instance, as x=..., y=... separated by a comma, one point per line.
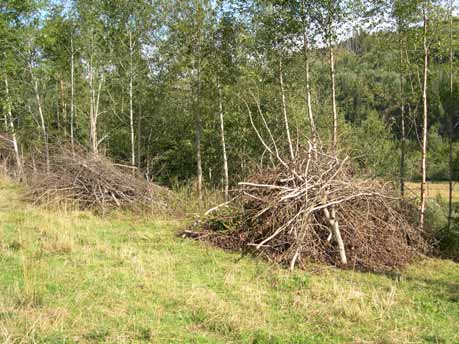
x=93, y=183
x=317, y=209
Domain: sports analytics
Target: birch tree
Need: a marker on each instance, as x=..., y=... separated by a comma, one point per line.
x=190, y=26
x=425, y=15
x=400, y=14
x=95, y=59
x=32, y=63
x=328, y=15
x=450, y=117
x=72, y=92
x=306, y=28
x=10, y=124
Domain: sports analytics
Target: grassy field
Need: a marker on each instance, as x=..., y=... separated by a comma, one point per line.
x=436, y=189
x=71, y=277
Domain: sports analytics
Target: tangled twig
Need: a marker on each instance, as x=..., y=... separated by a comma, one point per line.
x=294, y=213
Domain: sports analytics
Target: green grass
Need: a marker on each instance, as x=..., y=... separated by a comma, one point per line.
x=71, y=277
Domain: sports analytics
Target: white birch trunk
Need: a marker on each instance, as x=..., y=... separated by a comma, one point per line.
x=335, y=112
x=139, y=140
x=402, y=120
x=308, y=91
x=425, y=123
x=314, y=134
x=92, y=112
x=334, y=222
x=284, y=110
x=131, y=111
x=72, y=95
x=63, y=105
x=222, y=133
x=94, y=101
x=198, y=125
x=42, y=117
x=450, y=124
x=198, y=131
x=13, y=131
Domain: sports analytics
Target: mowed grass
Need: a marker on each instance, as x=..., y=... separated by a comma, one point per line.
x=436, y=189
x=71, y=277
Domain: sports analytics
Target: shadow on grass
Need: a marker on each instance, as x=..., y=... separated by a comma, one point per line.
x=444, y=290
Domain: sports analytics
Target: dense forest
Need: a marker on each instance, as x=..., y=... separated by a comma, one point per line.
x=175, y=88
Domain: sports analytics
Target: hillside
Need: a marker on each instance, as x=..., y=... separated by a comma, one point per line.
x=73, y=277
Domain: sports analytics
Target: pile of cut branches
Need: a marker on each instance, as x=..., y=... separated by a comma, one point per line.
x=316, y=209
x=93, y=183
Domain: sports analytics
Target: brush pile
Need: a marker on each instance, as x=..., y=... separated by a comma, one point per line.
x=315, y=209
x=93, y=183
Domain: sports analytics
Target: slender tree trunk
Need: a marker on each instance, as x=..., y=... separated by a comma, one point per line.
x=222, y=133
x=198, y=129
x=63, y=105
x=450, y=121
x=333, y=81
x=94, y=100
x=92, y=112
x=13, y=131
x=450, y=176
x=312, y=122
x=425, y=122
x=72, y=95
x=58, y=109
x=42, y=117
x=5, y=119
x=284, y=110
x=131, y=111
x=139, y=140
x=97, y=112
x=333, y=220
x=308, y=91
x=402, y=119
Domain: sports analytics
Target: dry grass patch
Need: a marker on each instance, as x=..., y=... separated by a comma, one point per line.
x=435, y=189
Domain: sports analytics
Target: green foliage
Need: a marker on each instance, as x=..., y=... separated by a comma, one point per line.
x=374, y=147
x=183, y=50
x=436, y=215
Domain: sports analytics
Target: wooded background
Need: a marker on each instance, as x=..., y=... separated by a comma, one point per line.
x=167, y=86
